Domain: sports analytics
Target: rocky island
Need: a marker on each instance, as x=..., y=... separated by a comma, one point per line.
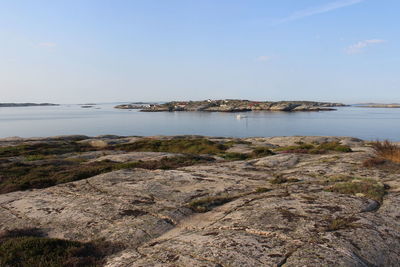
x=375, y=105
x=231, y=105
x=26, y=104
x=199, y=201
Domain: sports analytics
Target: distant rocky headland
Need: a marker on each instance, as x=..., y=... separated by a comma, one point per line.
x=232, y=105
x=26, y=104
x=377, y=105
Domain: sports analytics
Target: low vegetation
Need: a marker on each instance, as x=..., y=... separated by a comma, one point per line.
x=387, y=155
x=315, y=148
x=17, y=176
x=183, y=146
x=262, y=190
x=365, y=187
x=257, y=152
x=209, y=203
x=41, y=150
x=29, y=247
x=280, y=179
x=387, y=150
x=341, y=223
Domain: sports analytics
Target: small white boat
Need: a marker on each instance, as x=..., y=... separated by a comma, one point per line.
x=240, y=116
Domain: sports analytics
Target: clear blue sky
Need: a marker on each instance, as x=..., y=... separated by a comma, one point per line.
x=74, y=51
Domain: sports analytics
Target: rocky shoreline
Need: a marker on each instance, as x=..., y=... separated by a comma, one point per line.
x=233, y=106
x=207, y=201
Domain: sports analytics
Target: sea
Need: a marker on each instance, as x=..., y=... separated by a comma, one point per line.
x=104, y=119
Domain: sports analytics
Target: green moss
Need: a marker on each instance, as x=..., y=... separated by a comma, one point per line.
x=338, y=178
x=334, y=146
x=25, y=248
x=258, y=152
x=316, y=148
x=367, y=187
x=231, y=143
x=184, y=146
x=35, y=157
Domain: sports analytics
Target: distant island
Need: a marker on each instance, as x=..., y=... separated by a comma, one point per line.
x=233, y=105
x=3, y=105
x=378, y=105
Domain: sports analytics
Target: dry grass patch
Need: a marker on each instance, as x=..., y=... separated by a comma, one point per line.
x=341, y=223
x=387, y=150
x=280, y=179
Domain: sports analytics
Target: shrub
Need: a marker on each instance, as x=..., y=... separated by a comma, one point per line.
x=387, y=150
x=373, y=162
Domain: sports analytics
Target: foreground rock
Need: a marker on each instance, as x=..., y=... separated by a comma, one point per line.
x=234, y=106
x=269, y=211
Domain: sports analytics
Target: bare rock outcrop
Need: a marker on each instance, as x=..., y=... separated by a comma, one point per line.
x=257, y=220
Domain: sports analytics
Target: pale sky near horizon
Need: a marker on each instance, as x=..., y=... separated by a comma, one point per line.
x=74, y=51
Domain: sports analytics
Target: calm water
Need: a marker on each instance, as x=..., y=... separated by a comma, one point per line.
x=366, y=123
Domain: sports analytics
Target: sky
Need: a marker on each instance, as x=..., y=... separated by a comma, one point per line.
x=79, y=51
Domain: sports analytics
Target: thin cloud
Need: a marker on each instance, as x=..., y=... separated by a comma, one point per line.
x=361, y=46
x=318, y=10
x=47, y=44
x=263, y=58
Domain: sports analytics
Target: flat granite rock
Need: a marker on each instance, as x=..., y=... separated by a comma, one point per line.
x=262, y=224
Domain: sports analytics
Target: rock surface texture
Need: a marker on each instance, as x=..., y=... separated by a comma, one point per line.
x=262, y=220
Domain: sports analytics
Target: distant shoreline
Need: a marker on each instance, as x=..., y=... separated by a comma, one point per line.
x=378, y=106
x=7, y=105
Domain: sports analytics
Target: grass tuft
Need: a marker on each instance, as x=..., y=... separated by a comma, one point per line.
x=387, y=150
x=279, y=179
x=341, y=223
